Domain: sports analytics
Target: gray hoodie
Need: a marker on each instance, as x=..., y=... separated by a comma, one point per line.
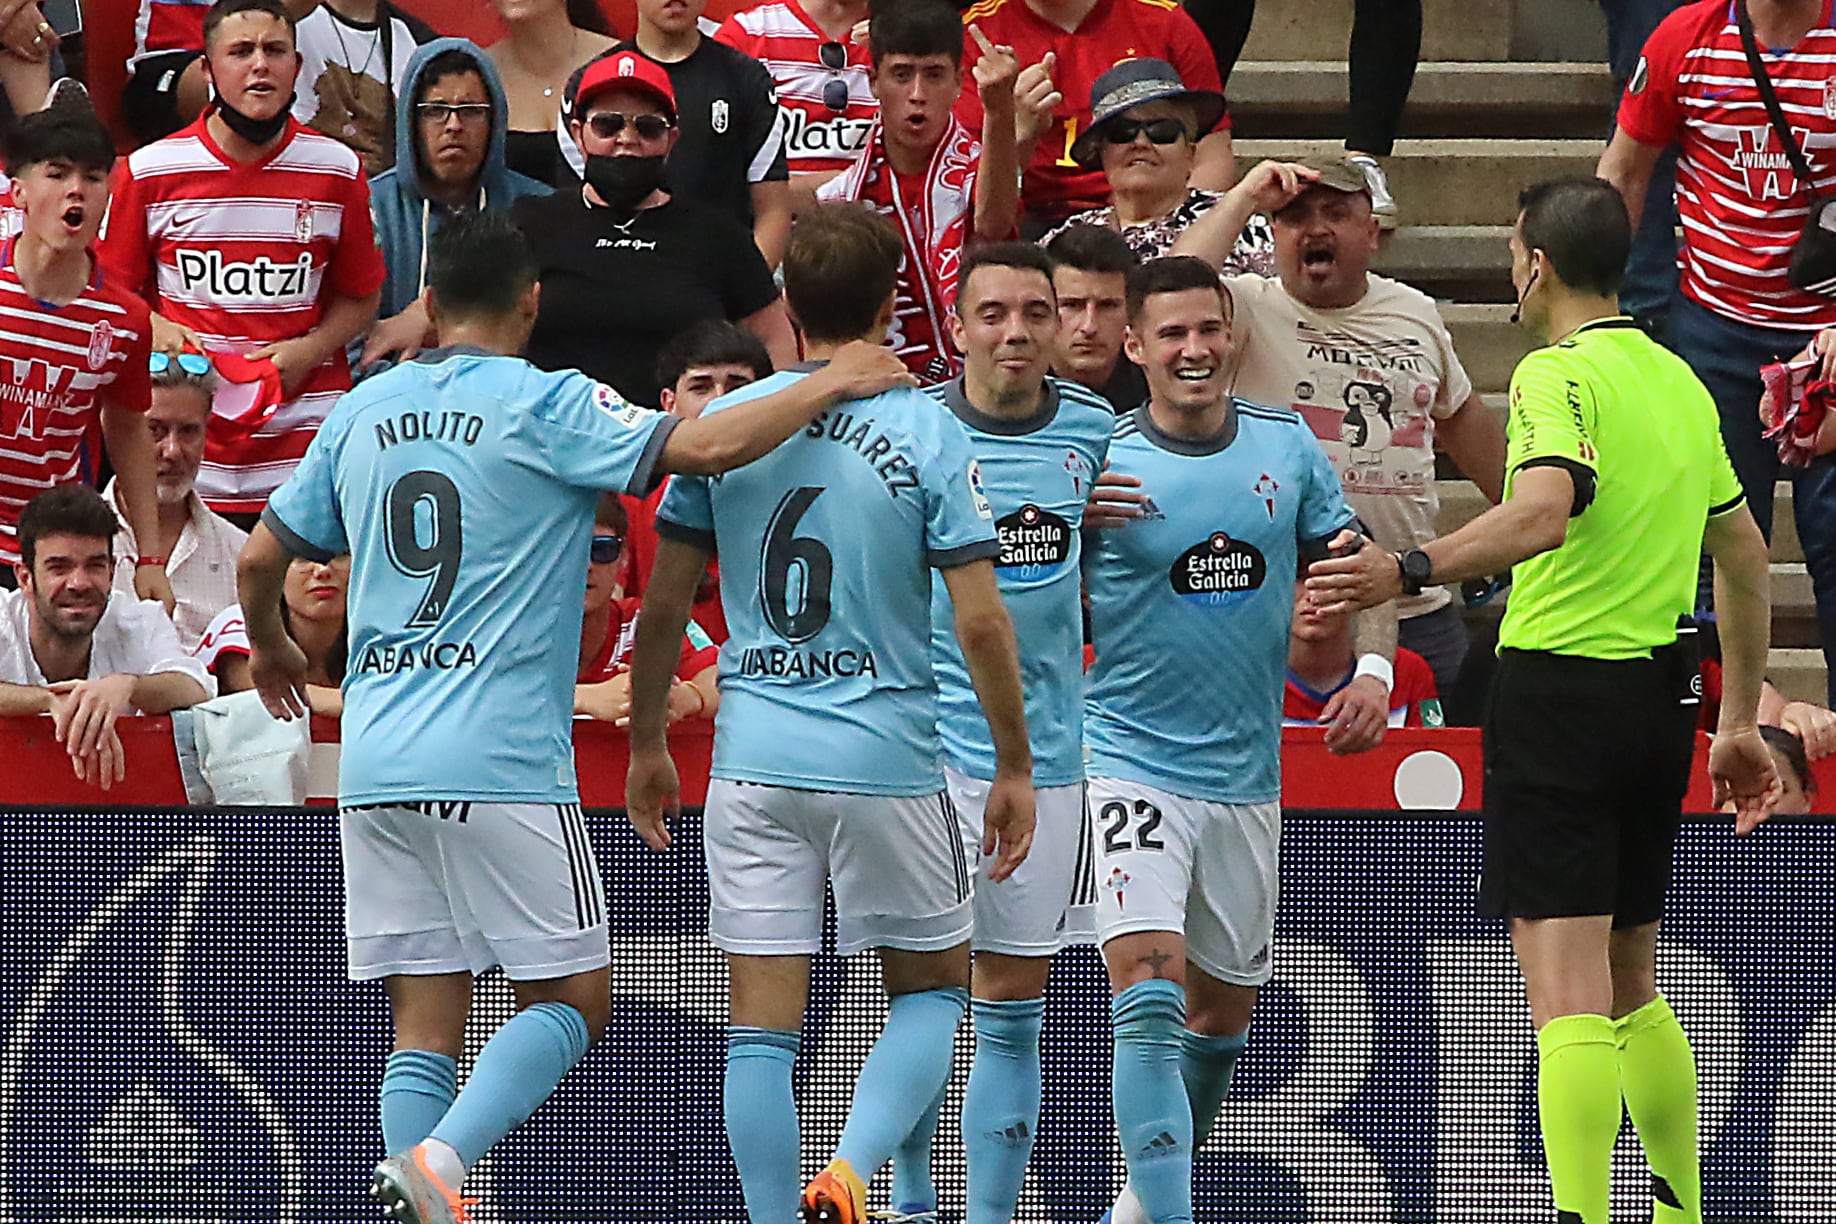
x=405, y=215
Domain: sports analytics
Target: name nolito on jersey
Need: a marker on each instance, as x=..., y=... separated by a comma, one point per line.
x=1219, y=571
x=1034, y=543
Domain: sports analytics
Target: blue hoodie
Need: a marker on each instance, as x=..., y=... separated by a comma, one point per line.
x=405, y=216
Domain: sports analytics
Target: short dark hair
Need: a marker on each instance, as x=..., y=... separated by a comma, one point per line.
x=452, y=62
x=916, y=28
x=1582, y=226
x=223, y=10
x=76, y=510
x=1027, y=256
x=587, y=15
x=1092, y=248
x=711, y=342
x=1171, y=274
x=479, y=264
x=1790, y=747
x=610, y=510
x=73, y=135
x=840, y=267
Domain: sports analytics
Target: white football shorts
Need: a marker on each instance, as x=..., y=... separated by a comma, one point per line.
x=1049, y=902
x=1209, y=871
x=453, y=887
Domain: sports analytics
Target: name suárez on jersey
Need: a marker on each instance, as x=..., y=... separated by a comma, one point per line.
x=423, y=426
x=260, y=279
x=783, y=662
x=895, y=471
x=427, y=656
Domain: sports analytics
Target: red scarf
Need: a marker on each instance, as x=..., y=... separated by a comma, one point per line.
x=933, y=228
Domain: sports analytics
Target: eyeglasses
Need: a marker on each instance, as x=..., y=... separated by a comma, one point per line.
x=1160, y=131
x=608, y=124
x=194, y=364
x=437, y=113
x=835, y=93
x=606, y=548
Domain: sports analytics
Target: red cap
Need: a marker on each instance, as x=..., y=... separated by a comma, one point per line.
x=625, y=70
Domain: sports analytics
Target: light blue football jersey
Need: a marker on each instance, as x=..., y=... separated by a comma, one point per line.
x=1037, y=472
x=463, y=484
x=826, y=547
x=1189, y=606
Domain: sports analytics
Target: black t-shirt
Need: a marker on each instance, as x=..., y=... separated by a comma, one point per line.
x=731, y=138
x=613, y=295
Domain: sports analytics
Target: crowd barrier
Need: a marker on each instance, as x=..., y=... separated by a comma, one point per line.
x=179, y=1044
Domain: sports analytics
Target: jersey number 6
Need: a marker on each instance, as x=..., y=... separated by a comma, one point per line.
x=795, y=572
x=437, y=559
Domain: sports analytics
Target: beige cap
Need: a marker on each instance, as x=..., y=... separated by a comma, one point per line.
x=1337, y=173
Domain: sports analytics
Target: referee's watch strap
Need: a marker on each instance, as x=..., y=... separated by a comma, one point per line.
x=1378, y=666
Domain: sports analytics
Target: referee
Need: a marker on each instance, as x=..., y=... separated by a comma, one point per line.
x=1615, y=481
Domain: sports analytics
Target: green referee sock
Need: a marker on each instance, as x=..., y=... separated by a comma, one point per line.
x=1657, y=1075
x=1577, y=1098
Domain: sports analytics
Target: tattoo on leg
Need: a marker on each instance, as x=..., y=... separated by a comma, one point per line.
x=1157, y=961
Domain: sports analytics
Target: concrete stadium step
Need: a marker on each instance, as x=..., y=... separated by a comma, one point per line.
x=1798, y=672
x=1463, y=263
x=1785, y=543
x=1489, y=344
x=1301, y=98
x=1453, y=182
x=1794, y=607
x=1451, y=30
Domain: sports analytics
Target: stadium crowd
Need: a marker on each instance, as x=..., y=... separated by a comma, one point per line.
x=179, y=323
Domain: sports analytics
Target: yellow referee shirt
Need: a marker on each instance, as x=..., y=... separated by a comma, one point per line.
x=1609, y=403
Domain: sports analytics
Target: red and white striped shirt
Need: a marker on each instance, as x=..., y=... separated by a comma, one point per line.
x=1741, y=206
x=247, y=255
x=168, y=25
x=781, y=35
x=56, y=364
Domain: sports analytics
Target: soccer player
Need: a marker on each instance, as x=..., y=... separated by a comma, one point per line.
x=250, y=234
x=826, y=755
x=73, y=341
x=1615, y=481
x=1038, y=442
x=463, y=485
x=1189, y=607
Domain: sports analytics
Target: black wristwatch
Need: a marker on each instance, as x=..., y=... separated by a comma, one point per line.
x=1417, y=570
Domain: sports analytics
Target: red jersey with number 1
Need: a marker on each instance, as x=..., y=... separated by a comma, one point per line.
x=247, y=255
x=56, y=364
x=1741, y=206
x=1115, y=30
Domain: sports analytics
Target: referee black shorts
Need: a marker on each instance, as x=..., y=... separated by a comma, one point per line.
x=1586, y=763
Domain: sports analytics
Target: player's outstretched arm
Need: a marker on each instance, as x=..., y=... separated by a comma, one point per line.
x=277, y=665
x=651, y=784
x=1740, y=765
x=986, y=634
x=720, y=441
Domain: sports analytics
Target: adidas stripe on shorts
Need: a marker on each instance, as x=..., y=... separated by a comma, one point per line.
x=1049, y=902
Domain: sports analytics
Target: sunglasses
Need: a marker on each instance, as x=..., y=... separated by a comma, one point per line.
x=437, y=113
x=195, y=364
x=608, y=124
x=606, y=548
x=835, y=94
x=1160, y=131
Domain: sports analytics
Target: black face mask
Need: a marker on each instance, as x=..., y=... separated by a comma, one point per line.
x=623, y=182
x=255, y=131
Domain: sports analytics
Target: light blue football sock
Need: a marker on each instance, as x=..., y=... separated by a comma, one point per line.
x=418, y=1087
x=1153, y=1114
x=516, y=1071
x=908, y=1066
x=913, y=1189
x=1001, y=1106
x=1207, y=1065
x=762, y=1128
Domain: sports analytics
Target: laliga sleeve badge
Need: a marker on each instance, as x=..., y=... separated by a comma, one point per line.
x=979, y=492
x=615, y=406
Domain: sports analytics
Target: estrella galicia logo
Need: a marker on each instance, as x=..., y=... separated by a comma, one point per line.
x=1034, y=543
x=1219, y=571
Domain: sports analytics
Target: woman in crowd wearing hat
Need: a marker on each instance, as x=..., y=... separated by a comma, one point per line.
x=1144, y=137
x=626, y=265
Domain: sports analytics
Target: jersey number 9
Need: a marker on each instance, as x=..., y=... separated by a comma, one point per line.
x=438, y=558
